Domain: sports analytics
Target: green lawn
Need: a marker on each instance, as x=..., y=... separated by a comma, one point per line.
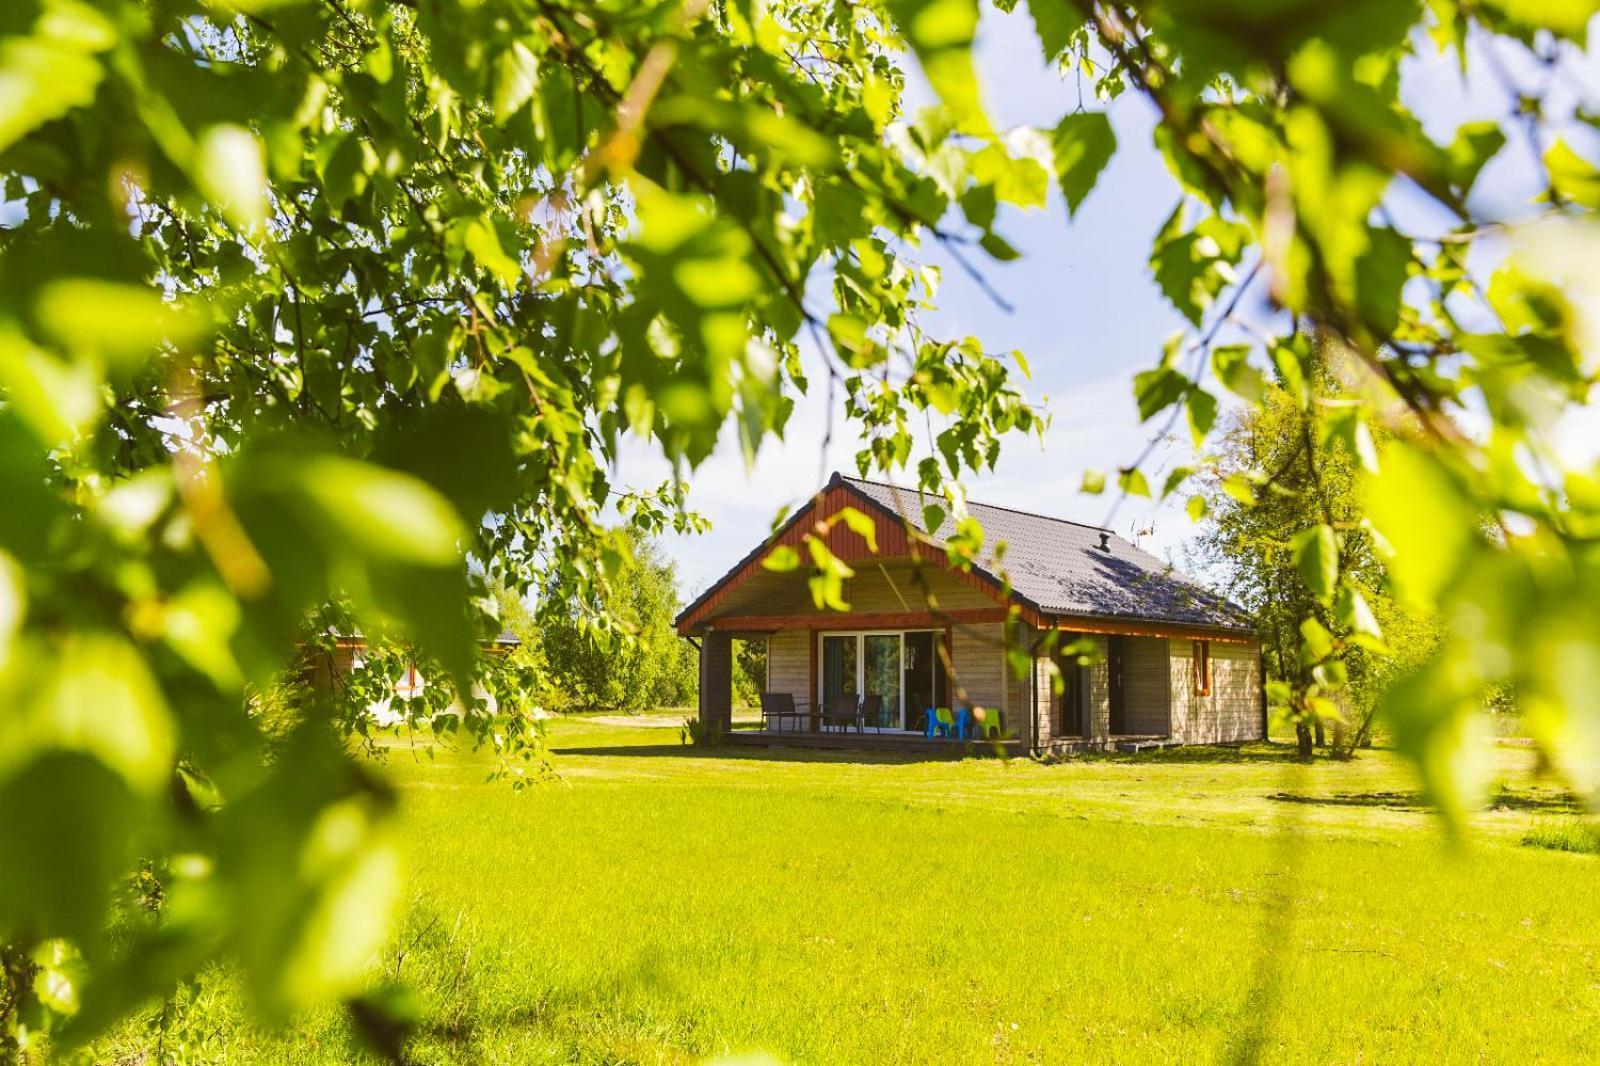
x=654, y=903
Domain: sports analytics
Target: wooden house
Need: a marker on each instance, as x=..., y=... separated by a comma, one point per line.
x=1159, y=658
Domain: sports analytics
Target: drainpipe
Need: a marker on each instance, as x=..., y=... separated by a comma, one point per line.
x=1032, y=742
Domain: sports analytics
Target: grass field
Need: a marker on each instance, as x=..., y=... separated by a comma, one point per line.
x=654, y=903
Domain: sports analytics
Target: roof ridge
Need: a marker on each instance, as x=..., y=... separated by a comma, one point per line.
x=994, y=506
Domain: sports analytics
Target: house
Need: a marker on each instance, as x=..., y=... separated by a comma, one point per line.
x=1172, y=662
x=349, y=654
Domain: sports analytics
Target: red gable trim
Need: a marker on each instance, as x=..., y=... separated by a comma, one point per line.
x=894, y=541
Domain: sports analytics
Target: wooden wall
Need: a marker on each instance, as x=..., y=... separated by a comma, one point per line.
x=789, y=664
x=979, y=658
x=1232, y=711
x=1146, y=685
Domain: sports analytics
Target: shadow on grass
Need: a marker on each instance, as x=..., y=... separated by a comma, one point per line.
x=1218, y=755
x=1401, y=801
x=1553, y=802
x=777, y=753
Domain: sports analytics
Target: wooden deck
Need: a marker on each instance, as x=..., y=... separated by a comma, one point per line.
x=879, y=743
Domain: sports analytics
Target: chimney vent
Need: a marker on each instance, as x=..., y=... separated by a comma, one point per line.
x=1105, y=542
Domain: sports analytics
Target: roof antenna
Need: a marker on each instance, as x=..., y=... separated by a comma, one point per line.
x=1105, y=541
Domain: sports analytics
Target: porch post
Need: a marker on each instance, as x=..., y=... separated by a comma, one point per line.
x=716, y=681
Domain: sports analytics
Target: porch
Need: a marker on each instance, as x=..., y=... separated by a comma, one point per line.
x=877, y=743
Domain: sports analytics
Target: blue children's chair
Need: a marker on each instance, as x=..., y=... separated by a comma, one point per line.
x=964, y=724
x=936, y=722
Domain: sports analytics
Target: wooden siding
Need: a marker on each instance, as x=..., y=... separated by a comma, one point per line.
x=1232, y=711
x=979, y=661
x=789, y=665
x=1146, y=686
x=1098, y=682
x=1097, y=700
x=716, y=681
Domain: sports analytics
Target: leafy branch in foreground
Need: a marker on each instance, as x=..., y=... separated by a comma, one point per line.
x=356, y=303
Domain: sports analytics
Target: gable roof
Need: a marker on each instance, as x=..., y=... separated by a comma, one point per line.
x=1058, y=567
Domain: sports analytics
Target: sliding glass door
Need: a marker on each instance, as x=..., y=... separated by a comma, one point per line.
x=925, y=686
x=901, y=669
x=841, y=669
x=881, y=667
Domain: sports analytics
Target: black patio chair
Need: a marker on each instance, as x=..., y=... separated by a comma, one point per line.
x=872, y=712
x=844, y=713
x=777, y=708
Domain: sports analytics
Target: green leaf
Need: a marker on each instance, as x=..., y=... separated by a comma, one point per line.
x=932, y=518
x=1425, y=524
x=1094, y=482
x=1175, y=480
x=1566, y=18
x=1238, y=486
x=112, y=321
x=92, y=694
x=1572, y=178
x=1231, y=364
x=383, y=513
x=996, y=246
x=231, y=169
x=1317, y=642
x=1474, y=145
x=1316, y=554
x=781, y=559
x=1055, y=22
x=59, y=863
x=60, y=974
x=1196, y=508
x=482, y=239
x=48, y=75
x=941, y=33
x=516, y=78
x=1380, y=277
x=1355, y=614
x=1132, y=482
x=1434, y=719
x=1157, y=390
x=1202, y=412
x=861, y=525
x=1084, y=143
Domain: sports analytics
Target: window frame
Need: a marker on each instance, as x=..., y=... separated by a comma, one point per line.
x=1202, y=668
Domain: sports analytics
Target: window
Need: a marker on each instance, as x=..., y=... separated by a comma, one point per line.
x=1202, y=668
x=901, y=668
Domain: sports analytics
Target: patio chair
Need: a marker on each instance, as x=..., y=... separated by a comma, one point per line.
x=937, y=722
x=844, y=712
x=872, y=712
x=777, y=708
x=986, y=724
x=964, y=724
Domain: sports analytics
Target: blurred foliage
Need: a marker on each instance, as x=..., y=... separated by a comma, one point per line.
x=352, y=304
x=635, y=661
x=1263, y=558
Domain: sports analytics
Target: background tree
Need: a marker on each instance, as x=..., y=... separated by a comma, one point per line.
x=634, y=660
x=1258, y=549
x=749, y=671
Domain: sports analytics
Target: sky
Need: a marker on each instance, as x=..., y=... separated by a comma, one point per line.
x=1088, y=316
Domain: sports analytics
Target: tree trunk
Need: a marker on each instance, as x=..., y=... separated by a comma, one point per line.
x=1322, y=737
x=1302, y=735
